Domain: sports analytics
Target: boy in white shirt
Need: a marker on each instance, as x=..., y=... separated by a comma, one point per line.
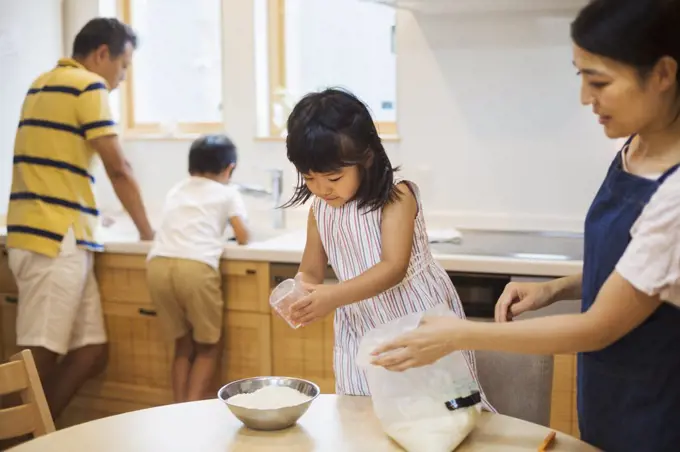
x=183, y=265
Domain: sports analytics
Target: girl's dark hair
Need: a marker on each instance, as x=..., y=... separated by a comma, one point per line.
x=333, y=129
x=635, y=32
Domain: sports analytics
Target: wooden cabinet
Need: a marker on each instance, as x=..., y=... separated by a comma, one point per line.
x=245, y=286
x=563, y=415
x=7, y=284
x=248, y=346
x=122, y=278
x=8, y=335
x=8, y=308
x=304, y=353
x=140, y=356
x=137, y=375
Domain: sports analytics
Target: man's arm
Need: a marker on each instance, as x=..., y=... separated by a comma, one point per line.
x=95, y=119
x=123, y=181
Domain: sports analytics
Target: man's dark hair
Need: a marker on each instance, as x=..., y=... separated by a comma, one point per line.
x=104, y=31
x=211, y=154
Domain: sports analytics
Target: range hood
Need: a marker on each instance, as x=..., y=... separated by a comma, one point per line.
x=485, y=6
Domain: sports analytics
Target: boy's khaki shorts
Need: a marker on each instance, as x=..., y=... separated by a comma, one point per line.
x=188, y=297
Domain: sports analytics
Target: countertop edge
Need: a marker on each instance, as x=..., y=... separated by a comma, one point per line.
x=450, y=262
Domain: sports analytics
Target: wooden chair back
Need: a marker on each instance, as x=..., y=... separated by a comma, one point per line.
x=33, y=416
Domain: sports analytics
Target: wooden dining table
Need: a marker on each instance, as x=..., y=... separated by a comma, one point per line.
x=332, y=424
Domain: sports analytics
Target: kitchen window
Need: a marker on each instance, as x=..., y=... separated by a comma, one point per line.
x=303, y=46
x=175, y=83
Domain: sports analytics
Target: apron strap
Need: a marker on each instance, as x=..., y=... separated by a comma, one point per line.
x=669, y=172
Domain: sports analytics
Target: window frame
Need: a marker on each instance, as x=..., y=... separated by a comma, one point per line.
x=276, y=49
x=141, y=129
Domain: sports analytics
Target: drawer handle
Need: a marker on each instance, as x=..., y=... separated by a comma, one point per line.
x=250, y=271
x=13, y=300
x=147, y=312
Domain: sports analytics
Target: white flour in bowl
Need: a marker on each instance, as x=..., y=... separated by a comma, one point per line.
x=269, y=398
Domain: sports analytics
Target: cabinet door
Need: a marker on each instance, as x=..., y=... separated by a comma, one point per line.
x=140, y=356
x=563, y=415
x=7, y=284
x=247, y=346
x=245, y=286
x=8, y=317
x=122, y=278
x=304, y=353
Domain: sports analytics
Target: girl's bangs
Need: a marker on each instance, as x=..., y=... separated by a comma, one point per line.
x=320, y=151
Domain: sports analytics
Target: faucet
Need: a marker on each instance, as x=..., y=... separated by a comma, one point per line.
x=274, y=193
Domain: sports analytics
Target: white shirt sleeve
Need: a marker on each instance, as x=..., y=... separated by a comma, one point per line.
x=651, y=263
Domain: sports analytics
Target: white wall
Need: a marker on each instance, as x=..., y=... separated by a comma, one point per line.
x=489, y=117
x=30, y=43
x=491, y=122
x=488, y=114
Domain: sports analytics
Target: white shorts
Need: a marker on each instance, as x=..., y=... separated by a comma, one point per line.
x=59, y=306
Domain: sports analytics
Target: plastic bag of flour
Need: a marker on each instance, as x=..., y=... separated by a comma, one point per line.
x=426, y=409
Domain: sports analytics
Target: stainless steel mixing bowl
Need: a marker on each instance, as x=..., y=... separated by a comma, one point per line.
x=275, y=419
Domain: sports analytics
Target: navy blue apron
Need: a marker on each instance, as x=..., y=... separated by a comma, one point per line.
x=629, y=392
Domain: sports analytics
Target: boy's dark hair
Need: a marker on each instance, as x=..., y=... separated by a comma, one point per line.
x=634, y=32
x=333, y=129
x=103, y=31
x=211, y=154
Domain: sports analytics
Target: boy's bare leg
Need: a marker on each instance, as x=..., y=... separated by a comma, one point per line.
x=181, y=367
x=203, y=370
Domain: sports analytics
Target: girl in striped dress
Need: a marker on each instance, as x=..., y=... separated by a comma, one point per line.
x=369, y=227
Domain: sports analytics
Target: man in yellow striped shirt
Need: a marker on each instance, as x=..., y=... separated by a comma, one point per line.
x=52, y=215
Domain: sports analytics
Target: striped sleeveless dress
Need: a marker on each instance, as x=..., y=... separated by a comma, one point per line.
x=351, y=238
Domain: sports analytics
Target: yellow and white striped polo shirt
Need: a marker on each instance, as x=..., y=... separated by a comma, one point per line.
x=51, y=182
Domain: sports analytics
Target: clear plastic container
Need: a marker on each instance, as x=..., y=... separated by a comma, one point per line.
x=285, y=295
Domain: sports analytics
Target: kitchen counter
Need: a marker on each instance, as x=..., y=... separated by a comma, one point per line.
x=469, y=257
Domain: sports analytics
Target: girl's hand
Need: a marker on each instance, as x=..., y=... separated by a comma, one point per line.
x=434, y=338
x=320, y=302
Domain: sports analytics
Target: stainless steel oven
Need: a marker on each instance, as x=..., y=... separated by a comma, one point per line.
x=479, y=292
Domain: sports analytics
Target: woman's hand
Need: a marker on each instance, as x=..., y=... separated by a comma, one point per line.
x=320, y=302
x=435, y=337
x=522, y=297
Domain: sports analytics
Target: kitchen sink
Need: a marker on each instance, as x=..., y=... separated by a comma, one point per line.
x=539, y=245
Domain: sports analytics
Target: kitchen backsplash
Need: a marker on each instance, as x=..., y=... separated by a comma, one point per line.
x=489, y=120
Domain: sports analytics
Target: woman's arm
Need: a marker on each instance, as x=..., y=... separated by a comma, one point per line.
x=314, y=259
x=520, y=297
x=567, y=288
x=618, y=309
x=398, y=224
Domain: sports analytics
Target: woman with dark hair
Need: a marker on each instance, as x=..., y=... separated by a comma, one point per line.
x=628, y=334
